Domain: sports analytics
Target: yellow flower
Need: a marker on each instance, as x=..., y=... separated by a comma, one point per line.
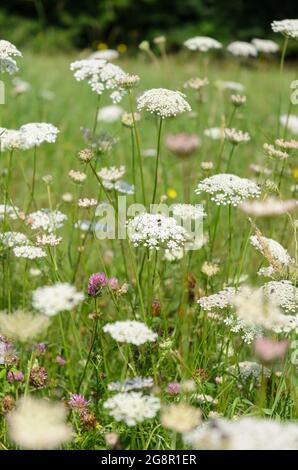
x=102, y=46
x=122, y=48
x=295, y=173
x=171, y=193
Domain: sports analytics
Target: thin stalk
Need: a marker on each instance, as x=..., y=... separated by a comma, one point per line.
x=157, y=160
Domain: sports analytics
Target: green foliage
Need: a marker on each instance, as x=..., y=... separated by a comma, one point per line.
x=51, y=24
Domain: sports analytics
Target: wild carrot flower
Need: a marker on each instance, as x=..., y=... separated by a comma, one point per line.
x=132, y=407
x=163, y=102
x=202, y=44
x=38, y=424
x=59, y=297
x=130, y=331
x=242, y=49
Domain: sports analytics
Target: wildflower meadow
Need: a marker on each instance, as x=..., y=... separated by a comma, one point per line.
x=149, y=246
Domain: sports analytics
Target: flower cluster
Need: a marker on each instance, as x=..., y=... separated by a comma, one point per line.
x=156, y=231
x=202, y=44
x=59, y=297
x=7, y=52
x=288, y=28
x=228, y=189
x=130, y=331
x=132, y=407
x=242, y=49
x=163, y=102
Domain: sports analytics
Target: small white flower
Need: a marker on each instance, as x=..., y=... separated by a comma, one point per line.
x=48, y=240
x=29, y=252
x=59, y=297
x=265, y=45
x=214, y=133
x=12, y=239
x=202, y=44
x=86, y=202
x=110, y=113
x=288, y=28
x=130, y=331
x=155, y=231
x=38, y=424
x=228, y=189
x=188, y=211
x=236, y=136
x=242, y=49
x=291, y=122
x=7, y=52
x=77, y=176
x=36, y=133
x=132, y=408
x=111, y=173
x=46, y=220
x=8, y=211
x=163, y=102
x=135, y=383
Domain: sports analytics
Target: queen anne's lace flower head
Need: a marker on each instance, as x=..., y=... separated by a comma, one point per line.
x=248, y=370
x=244, y=433
x=288, y=28
x=265, y=45
x=202, y=44
x=100, y=75
x=36, y=133
x=38, y=424
x=271, y=249
x=284, y=293
x=11, y=139
x=135, y=383
x=236, y=136
x=46, y=220
x=8, y=211
x=214, y=133
x=188, y=211
x=29, y=252
x=133, y=407
x=22, y=326
x=12, y=239
x=228, y=189
x=268, y=207
x=156, y=231
x=130, y=331
x=242, y=49
x=163, y=102
x=110, y=113
x=112, y=173
x=290, y=121
x=7, y=52
x=106, y=54
x=51, y=300
x=220, y=300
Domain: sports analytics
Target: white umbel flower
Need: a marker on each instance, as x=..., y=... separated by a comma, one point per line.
x=59, y=297
x=246, y=433
x=7, y=52
x=133, y=407
x=242, y=49
x=11, y=139
x=111, y=173
x=8, y=211
x=202, y=44
x=130, y=331
x=284, y=293
x=288, y=28
x=214, y=133
x=163, y=102
x=100, y=75
x=29, y=252
x=77, y=176
x=228, y=189
x=48, y=240
x=265, y=45
x=106, y=54
x=12, y=239
x=110, y=113
x=220, y=300
x=22, y=326
x=36, y=133
x=271, y=248
x=156, y=231
x=135, y=383
x=236, y=136
x=46, y=220
x=38, y=424
x=290, y=121
x=188, y=211
x=87, y=203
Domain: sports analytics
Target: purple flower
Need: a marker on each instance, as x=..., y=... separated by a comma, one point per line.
x=114, y=283
x=174, y=388
x=96, y=282
x=78, y=402
x=60, y=360
x=16, y=376
x=40, y=347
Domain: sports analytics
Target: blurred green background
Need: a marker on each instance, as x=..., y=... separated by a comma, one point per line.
x=67, y=24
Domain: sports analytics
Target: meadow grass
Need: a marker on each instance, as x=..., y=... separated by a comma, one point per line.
x=191, y=344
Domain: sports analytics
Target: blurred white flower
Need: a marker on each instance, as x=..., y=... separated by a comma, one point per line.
x=132, y=408
x=59, y=297
x=202, y=44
